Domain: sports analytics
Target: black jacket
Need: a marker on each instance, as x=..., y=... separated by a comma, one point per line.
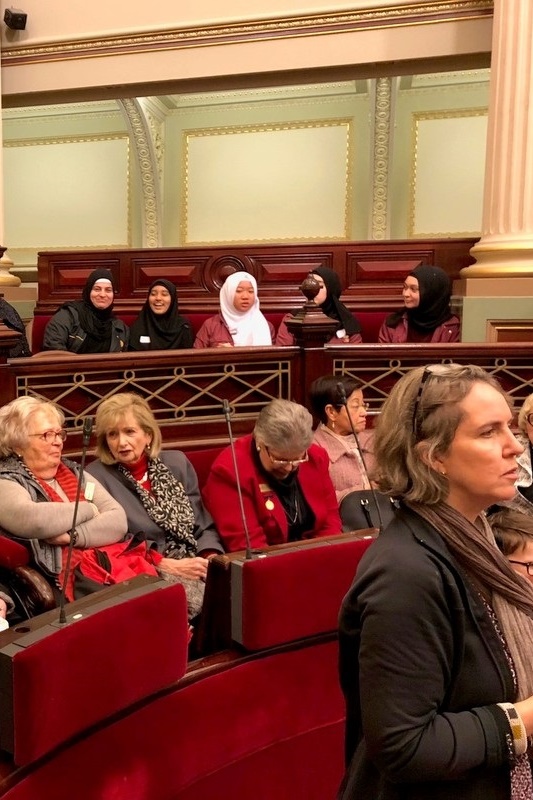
x=422, y=668
x=64, y=332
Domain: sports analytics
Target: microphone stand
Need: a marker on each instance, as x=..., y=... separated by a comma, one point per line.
x=249, y=553
x=87, y=429
x=344, y=402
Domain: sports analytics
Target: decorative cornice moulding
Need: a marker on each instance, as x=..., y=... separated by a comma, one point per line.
x=414, y=13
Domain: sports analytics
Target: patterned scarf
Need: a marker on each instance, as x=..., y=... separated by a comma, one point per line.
x=168, y=506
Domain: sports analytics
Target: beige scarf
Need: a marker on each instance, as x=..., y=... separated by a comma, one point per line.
x=510, y=596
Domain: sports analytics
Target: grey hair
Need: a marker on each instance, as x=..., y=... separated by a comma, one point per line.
x=15, y=420
x=400, y=470
x=284, y=426
x=527, y=408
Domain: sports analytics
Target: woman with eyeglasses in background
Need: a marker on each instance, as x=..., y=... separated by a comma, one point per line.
x=38, y=488
x=286, y=490
x=436, y=632
x=335, y=399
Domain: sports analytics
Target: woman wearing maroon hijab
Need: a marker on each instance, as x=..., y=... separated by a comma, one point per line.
x=426, y=316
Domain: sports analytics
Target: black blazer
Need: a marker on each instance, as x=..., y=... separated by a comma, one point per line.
x=422, y=668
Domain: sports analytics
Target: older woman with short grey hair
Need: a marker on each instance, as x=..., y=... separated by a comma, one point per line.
x=287, y=493
x=38, y=488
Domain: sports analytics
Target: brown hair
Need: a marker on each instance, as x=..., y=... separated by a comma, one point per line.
x=421, y=415
x=513, y=529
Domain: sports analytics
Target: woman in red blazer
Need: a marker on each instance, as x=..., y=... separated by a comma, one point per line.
x=286, y=489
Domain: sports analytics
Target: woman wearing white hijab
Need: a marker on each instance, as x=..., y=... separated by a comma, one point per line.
x=240, y=323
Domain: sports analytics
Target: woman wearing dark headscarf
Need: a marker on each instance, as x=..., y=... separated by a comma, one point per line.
x=427, y=316
x=88, y=325
x=349, y=329
x=159, y=326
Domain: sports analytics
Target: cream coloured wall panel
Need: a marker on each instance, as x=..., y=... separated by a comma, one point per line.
x=448, y=166
x=67, y=193
x=270, y=183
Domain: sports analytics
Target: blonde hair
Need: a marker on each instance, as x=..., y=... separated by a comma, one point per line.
x=112, y=410
x=422, y=414
x=15, y=419
x=527, y=408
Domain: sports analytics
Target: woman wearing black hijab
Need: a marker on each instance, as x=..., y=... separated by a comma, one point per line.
x=159, y=326
x=88, y=325
x=348, y=330
x=426, y=316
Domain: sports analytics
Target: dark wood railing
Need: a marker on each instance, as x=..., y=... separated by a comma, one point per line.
x=186, y=388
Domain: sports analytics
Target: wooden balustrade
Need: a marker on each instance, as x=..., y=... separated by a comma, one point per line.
x=186, y=388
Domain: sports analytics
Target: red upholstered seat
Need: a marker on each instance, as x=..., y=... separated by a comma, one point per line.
x=294, y=593
x=119, y=646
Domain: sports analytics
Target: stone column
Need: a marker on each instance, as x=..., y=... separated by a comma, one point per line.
x=6, y=278
x=506, y=244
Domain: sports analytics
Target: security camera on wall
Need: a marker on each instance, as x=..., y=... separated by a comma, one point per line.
x=15, y=19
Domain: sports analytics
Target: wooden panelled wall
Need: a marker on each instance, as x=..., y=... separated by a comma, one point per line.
x=371, y=273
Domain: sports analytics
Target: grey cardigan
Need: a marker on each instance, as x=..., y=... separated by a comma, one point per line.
x=205, y=533
x=26, y=512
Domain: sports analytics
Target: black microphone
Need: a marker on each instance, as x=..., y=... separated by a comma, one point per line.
x=249, y=553
x=87, y=429
x=344, y=402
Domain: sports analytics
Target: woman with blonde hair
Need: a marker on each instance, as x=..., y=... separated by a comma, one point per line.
x=157, y=489
x=436, y=632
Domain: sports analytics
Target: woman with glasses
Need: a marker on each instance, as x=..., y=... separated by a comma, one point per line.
x=286, y=490
x=436, y=632
x=38, y=488
x=337, y=401
x=513, y=529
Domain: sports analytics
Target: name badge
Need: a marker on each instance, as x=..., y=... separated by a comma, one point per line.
x=144, y=339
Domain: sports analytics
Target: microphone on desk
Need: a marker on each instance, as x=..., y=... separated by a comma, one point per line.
x=249, y=553
x=87, y=429
x=344, y=402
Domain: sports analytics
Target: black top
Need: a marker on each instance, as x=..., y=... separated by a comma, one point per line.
x=168, y=331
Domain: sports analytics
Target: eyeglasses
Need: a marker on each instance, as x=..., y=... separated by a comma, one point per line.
x=527, y=564
x=357, y=406
x=529, y=419
x=441, y=370
x=50, y=436
x=286, y=462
